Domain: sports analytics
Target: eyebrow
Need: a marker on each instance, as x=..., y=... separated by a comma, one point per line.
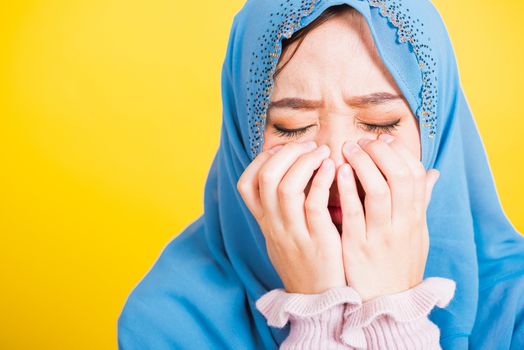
x=364, y=101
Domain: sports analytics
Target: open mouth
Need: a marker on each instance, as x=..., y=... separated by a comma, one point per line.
x=336, y=214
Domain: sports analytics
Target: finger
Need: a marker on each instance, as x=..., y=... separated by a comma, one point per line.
x=397, y=173
x=316, y=205
x=291, y=190
x=417, y=169
x=377, y=201
x=433, y=176
x=353, y=220
x=270, y=176
x=248, y=185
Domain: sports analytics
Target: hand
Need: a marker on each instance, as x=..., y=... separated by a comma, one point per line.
x=302, y=242
x=385, y=247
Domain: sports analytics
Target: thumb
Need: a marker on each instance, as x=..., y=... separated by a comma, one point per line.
x=431, y=179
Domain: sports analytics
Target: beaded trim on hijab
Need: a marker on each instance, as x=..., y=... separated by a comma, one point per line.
x=287, y=21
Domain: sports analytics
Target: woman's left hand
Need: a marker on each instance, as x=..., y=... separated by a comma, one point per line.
x=385, y=248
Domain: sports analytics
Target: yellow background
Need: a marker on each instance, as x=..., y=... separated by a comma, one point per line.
x=110, y=115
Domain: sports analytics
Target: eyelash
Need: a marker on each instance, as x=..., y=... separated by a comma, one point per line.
x=291, y=133
x=381, y=128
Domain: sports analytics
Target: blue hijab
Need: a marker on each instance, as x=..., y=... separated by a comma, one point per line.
x=202, y=289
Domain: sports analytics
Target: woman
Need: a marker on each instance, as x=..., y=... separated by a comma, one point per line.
x=249, y=248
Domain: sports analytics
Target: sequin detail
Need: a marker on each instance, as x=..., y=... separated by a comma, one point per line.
x=412, y=30
x=287, y=20
x=289, y=17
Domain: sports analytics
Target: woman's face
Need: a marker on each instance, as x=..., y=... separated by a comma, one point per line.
x=334, y=89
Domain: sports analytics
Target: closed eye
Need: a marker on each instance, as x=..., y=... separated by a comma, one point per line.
x=379, y=128
x=291, y=133
x=375, y=128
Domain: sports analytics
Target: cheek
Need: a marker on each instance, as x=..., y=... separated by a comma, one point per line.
x=410, y=137
x=270, y=140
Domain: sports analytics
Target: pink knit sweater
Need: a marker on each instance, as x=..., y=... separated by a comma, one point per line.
x=337, y=318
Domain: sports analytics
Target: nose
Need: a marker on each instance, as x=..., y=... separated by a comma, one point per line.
x=335, y=144
x=335, y=132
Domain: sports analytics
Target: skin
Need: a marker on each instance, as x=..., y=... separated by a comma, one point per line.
x=380, y=246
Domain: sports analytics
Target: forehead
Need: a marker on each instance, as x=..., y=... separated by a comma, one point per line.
x=340, y=53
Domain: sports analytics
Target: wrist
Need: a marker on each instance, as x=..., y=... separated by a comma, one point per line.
x=312, y=289
x=394, y=290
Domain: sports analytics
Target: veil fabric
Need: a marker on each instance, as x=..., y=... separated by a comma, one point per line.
x=201, y=291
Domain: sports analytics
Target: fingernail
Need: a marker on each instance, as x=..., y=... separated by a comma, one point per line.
x=352, y=147
x=344, y=170
x=326, y=164
x=433, y=179
x=322, y=149
x=363, y=142
x=274, y=149
x=310, y=144
x=386, y=138
x=437, y=177
x=433, y=183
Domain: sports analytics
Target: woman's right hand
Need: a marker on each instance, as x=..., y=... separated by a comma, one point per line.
x=302, y=242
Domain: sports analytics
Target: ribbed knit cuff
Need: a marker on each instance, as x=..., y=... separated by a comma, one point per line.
x=320, y=331
x=386, y=333
x=278, y=306
x=404, y=307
